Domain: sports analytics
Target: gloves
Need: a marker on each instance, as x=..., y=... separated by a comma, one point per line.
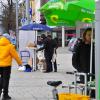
x=21, y=68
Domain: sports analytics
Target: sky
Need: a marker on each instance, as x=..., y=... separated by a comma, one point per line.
x=4, y=0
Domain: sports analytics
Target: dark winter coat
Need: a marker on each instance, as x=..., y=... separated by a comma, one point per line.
x=55, y=45
x=48, y=47
x=81, y=58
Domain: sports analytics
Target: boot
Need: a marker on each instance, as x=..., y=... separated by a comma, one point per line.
x=6, y=97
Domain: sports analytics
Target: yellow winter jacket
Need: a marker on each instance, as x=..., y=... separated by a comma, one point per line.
x=7, y=52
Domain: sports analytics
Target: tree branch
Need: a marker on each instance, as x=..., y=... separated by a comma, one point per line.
x=8, y=15
x=3, y=4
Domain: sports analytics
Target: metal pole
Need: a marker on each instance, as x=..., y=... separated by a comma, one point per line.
x=91, y=53
x=78, y=24
x=27, y=11
x=97, y=50
x=17, y=32
x=63, y=36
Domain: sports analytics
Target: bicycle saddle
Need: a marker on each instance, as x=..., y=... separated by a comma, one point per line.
x=54, y=83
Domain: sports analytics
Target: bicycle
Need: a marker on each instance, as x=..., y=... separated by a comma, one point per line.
x=75, y=85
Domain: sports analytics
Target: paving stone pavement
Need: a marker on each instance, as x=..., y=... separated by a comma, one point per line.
x=33, y=85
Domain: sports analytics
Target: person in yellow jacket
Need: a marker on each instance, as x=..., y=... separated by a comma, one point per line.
x=7, y=53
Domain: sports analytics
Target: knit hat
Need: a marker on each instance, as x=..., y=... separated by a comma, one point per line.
x=6, y=35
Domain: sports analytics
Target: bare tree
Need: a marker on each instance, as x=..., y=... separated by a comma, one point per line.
x=8, y=17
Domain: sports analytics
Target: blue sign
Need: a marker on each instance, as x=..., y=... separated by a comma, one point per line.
x=23, y=21
x=30, y=11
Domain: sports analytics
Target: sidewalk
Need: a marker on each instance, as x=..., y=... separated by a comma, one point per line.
x=33, y=85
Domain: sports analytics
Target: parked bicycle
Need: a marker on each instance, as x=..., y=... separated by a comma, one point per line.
x=74, y=85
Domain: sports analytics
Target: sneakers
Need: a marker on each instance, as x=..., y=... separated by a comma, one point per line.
x=6, y=97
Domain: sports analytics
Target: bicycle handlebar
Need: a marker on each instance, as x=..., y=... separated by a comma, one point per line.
x=80, y=73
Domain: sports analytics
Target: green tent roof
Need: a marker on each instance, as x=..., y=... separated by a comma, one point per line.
x=67, y=13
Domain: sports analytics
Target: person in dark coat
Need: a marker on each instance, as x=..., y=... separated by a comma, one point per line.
x=81, y=55
x=48, y=50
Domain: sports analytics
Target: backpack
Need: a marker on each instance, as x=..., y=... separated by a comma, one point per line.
x=28, y=68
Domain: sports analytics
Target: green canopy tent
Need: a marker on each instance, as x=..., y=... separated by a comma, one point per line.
x=62, y=13
x=54, y=13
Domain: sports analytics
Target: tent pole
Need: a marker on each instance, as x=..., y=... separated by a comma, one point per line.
x=63, y=36
x=91, y=53
x=78, y=24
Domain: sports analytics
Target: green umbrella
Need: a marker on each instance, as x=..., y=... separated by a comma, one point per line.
x=81, y=10
x=54, y=13
x=62, y=13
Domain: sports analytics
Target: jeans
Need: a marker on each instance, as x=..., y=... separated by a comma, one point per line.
x=48, y=59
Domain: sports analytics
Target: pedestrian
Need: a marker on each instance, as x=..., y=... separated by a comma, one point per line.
x=81, y=54
x=48, y=50
x=55, y=44
x=81, y=57
x=7, y=52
